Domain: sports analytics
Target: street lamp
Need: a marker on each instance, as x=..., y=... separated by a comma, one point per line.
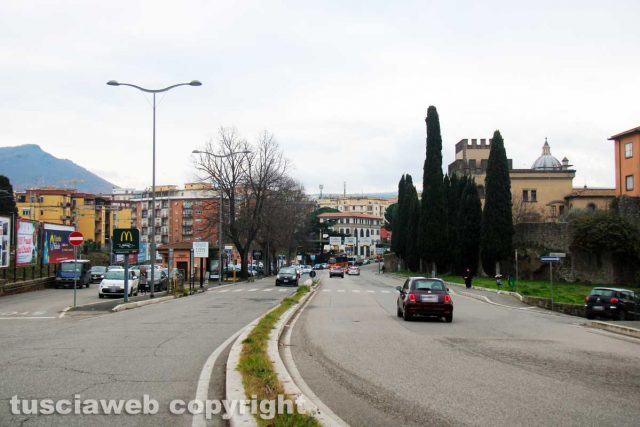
x=153, y=180
x=220, y=248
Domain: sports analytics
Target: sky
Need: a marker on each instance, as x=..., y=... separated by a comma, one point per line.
x=343, y=85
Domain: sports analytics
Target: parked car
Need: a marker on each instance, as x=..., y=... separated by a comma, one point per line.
x=424, y=297
x=353, y=271
x=113, y=283
x=287, y=276
x=74, y=270
x=336, y=271
x=97, y=273
x=319, y=267
x=305, y=269
x=160, y=279
x=616, y=303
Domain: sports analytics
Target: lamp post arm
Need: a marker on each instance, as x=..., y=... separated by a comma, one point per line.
x=154, y=90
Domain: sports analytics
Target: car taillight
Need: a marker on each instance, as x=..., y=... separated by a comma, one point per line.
x=614, y=300
x=412, y=297
x=447, y=299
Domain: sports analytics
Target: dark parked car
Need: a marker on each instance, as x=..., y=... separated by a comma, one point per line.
x=424, y=297
x=97, y=273
x=336, y=271
x=287, y=276
x=615, y=303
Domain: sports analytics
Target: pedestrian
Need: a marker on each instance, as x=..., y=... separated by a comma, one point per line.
x=383, y=268
x=467, y=278
x=499, y=280
x=143, y=281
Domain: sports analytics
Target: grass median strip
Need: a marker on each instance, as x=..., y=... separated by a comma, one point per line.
x=258, y=375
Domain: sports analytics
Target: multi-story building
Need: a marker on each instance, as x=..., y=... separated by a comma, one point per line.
x=93, y=215
x=627, y=162
x=364, y=227
x=537, y=193
x=375, y=206
x=181, y=214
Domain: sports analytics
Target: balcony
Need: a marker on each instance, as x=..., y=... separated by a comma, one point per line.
x=187, y=213
x=164, y=213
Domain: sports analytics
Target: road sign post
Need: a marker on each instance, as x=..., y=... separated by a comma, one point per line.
x=126, y=241
x=550, y=260
x=75, y=239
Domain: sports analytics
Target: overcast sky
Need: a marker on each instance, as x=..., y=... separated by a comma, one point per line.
x=343, y=85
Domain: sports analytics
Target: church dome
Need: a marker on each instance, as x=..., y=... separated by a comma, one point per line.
x=546, y=161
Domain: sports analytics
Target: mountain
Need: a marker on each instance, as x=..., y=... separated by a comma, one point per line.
x=29, y=166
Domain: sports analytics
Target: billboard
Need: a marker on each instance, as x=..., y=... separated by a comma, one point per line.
x=335, y=241
x=5, y=241
x=142, y=253
x=201, y=249
x=55, y=243
x=365, y=241
x=27, y=243
x=350, y=241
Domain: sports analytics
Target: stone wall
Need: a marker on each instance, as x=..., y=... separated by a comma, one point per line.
x=571, y=309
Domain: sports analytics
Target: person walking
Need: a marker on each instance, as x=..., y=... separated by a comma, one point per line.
x=467, y=278
x=143, y=281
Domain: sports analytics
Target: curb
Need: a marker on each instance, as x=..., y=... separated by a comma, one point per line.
x=495, y=291
x=130, y=305
x=617, y=329
x=288, y=373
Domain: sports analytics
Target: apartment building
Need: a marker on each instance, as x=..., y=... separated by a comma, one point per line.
x=181, y=214
x=627, y=162
x=375, y=206
x=364, y=228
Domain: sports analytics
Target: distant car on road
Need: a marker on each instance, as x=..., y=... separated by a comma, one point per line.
x=616, y=303
x=287, y=276
x=353, y=271
x=424, y=297
x=113, y=283
x=97, y=273
x=336, y=271
x=305, y=269
x=318, y=267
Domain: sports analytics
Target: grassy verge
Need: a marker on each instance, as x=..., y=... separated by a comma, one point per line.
x=563, y=292
x=258, y=376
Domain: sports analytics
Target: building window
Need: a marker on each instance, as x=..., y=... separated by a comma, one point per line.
x=591, y=207
x=525, y=195
x=534, y=196
x=629, y=182
x=628, y=150
x=26, y=212
x=561, y=209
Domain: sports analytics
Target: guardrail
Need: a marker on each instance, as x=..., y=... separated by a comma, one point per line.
x=26, y=286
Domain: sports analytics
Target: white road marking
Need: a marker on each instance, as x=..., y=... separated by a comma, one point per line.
x=253, y=290
x=224, y=290
x=238, y=290
x=372, y=292
x=267, y=290
x=282, y=290
x=326, y=290
x=385, y=292
x=341, y=290
x=25, y=318
x=355, y=290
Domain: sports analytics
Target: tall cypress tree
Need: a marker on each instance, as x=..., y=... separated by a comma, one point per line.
x=413, y=222
x=497, y=221
x=469, y=223
x=432, y=238
x=396, y=238
x=7, y=201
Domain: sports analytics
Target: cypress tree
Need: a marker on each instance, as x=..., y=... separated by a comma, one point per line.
x=413, y=217
x=433, y=233
x=469, y=223
x=497, y=221
x=7, y=200
x=397, y=244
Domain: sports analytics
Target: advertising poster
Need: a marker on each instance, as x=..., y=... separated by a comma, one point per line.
x=5, y=240
x=27, y=243
x=142, y=253
x=55, y=243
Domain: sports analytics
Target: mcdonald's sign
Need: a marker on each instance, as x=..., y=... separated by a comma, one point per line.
x=125, y=241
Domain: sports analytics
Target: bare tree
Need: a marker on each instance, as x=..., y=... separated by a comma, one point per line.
x=246, y=180
x=523, y=211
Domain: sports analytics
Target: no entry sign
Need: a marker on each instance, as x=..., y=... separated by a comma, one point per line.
x=76, y=238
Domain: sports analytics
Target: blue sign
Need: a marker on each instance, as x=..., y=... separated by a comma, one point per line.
x=142, y=254
x=549, y=259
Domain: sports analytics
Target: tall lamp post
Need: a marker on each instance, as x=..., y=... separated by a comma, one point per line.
x=220, y=244
x=153, y=179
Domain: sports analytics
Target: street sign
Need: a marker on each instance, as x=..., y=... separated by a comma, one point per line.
x=350, y=241
x=76, y=238
x=201, y=249
x=558, y=254
x=549, y=259
x=365, y=241
x=257, y=255
x=228, y=247
x=335, y=241
x=125, y=241
x=379, y=251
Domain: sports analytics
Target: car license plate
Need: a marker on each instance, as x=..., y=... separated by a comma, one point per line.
x=285, y=280
x=598, y=308
x=429, y=298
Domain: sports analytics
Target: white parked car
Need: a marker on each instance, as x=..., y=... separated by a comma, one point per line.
x=305, y=269
x=113, y=284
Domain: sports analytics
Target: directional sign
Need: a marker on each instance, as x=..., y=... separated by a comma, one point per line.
x=125, y=241
x=549, y=259
x=558, y=254
x=200, y=249
x=76, y=238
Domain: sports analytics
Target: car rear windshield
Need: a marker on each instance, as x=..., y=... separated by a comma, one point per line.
x=98, y=269
x=114, y=275
x=68, y=267
x=287, y=271
x=433, y=285
x=602, y=292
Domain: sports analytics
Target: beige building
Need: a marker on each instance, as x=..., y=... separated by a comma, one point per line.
x=590, y=199
x=375, y=206
x=537, y=193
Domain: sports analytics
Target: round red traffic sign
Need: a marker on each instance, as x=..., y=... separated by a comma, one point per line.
x=76, y=238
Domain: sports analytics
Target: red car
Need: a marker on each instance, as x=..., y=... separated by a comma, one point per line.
x=424, y=297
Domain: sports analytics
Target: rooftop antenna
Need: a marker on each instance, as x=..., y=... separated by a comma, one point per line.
x=321, y=188
x=344, y=189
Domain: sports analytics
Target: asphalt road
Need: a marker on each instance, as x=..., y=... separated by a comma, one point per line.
x=494, y=365
x=159, y=350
